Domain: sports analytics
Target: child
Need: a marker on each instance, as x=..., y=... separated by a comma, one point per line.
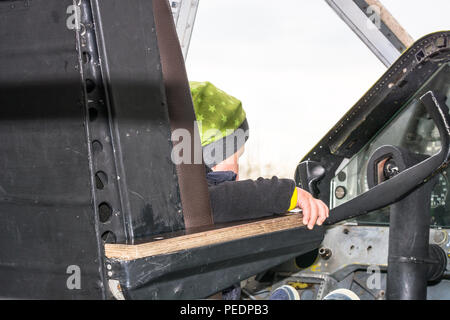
x=224, y=130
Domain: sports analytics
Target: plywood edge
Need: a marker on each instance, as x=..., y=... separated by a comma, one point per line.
x=200, y=239
x=392, y=23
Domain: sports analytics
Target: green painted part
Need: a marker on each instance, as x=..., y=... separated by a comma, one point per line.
x=218, y=114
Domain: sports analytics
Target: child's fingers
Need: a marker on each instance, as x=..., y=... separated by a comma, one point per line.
x=306, y=209
x=322, y=213
x=314, y=213
x=327, y=209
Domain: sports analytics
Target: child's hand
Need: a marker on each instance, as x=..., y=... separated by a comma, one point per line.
x=314, y=210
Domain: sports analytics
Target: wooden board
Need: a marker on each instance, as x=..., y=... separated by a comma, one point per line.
x=392, y=23
x=200, y=239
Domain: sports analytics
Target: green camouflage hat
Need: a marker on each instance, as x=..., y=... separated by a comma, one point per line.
x=220, y=117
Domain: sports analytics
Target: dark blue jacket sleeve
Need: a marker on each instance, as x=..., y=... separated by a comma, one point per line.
x=250, y=199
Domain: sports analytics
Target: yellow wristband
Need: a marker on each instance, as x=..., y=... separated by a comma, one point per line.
x=294, y=200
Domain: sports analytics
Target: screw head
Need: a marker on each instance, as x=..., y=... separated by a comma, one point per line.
x=340, y=192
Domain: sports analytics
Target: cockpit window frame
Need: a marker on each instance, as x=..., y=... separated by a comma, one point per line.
x=382, y=102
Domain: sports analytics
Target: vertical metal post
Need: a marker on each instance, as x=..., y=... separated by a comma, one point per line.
x=184, y=14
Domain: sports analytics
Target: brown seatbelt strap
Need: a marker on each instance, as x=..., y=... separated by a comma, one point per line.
x=191, y=177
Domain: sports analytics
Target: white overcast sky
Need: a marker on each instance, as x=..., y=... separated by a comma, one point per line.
x=296, y=67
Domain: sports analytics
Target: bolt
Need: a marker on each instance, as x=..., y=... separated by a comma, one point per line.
x=325, y=253
x=340, y=192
